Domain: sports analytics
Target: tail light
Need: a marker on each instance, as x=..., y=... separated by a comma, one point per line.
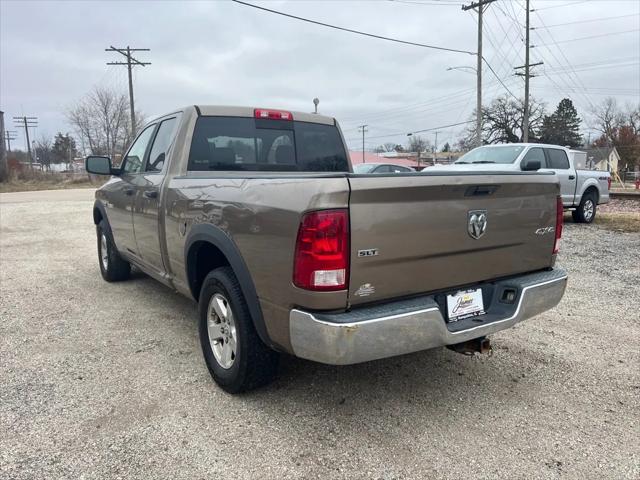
x=559, y=221
x=322, y=251
x=609, y=183
x=272, y=114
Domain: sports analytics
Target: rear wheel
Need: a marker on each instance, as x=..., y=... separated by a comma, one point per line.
x=236, y=357
x=586, y=211
x=112, y=266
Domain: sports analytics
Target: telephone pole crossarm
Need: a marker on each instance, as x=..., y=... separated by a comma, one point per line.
x=131, y=61
x=26, y=123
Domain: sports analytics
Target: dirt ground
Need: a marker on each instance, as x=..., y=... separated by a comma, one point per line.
x=105, y=380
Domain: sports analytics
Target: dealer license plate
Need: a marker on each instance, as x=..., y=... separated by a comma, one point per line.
x=465, y=304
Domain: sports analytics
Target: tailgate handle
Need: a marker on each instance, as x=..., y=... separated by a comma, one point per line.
x=481, y=190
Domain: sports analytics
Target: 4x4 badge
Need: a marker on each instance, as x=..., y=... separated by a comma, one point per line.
x=477, y=223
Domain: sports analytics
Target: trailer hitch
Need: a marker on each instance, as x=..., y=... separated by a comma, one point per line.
x=477, y=345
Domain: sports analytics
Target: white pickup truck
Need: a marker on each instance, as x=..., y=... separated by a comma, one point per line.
x=582, y=190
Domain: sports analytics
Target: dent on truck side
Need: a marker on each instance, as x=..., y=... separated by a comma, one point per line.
x=258, y=218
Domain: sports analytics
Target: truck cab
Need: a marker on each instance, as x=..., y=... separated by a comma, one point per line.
x=582, y=190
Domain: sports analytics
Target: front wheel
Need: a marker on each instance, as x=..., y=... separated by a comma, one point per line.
x=235, y=356
x=586, y=211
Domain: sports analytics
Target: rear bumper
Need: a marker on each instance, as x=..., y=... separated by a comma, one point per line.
x=407, y=326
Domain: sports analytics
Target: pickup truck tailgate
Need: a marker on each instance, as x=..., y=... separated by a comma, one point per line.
x=411, y=234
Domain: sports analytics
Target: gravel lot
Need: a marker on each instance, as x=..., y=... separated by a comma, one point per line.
x=107, y=381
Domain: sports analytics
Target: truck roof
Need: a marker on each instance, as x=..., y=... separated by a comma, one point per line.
x=545, y=145
x=233, y=111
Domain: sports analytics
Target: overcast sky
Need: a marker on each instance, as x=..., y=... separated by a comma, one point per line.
x=218, y=52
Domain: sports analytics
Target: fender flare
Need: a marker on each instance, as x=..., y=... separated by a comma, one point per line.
x=219, y=239
x=98, y=205
x=590, y=184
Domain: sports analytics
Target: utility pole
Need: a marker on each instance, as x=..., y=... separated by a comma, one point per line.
x=27, y=122
x=3, y=153
x=480, y=5
x=129, y=63
x=435, y=148
x=527, y=76
x=363, y=129
x=9, y=136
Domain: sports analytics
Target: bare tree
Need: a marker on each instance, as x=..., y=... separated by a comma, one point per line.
x=418, y=144
x=502, y=122
x=620, y=129
x=607, y=118
x=43, y=151
x=102, y=121
x=387, y=147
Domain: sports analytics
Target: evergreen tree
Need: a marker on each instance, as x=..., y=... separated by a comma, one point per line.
x=562, y=127
x=64, y=148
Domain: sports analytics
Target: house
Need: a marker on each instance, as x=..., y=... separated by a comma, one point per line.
x=603, y=158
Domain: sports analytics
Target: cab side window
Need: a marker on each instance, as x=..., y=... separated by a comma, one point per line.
x=535, y=154
x=135, y=155
x=382, y=169
x=160, y=145
x=557, y=159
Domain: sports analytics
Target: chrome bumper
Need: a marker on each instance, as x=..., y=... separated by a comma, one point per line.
x=397, y=328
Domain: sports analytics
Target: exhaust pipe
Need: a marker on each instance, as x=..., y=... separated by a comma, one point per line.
x=477, y=345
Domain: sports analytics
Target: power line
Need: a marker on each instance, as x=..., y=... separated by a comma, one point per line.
x=126, y=52
x=589, y=20
x=499, y=79
x=423, y=130
x=357, y=32
x=577, y=80
x=432, y=3
x=589, y=37
x=561, y=5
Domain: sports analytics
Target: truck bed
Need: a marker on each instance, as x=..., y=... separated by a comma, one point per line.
x=418, y=226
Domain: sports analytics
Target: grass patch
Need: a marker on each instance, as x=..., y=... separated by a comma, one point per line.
x=48, y=181
x=619, y=222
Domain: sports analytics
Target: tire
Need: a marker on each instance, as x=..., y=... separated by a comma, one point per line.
x=586, y=211
x=236, y=358
x=112, y=266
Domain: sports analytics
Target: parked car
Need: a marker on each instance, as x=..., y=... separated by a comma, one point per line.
x=582, y=190
x=256, y=214
x=381, y=168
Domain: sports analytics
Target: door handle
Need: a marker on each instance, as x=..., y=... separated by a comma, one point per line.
x=128, y=191
x=572, y=177
x=150, y=193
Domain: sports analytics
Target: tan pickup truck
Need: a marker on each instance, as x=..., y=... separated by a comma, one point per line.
x=257, y=215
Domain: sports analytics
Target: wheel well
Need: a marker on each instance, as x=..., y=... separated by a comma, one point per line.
x=592, y=190
x=201, y=259
x=97, y=216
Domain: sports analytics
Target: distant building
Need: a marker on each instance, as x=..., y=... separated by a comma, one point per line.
x=603, y=158
x=406, y=159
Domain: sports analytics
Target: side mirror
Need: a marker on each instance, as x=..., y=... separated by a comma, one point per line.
x=530, y=165
x=98, y=165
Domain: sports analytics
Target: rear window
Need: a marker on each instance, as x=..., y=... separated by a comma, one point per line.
x=557, y=159
x=248, y=144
